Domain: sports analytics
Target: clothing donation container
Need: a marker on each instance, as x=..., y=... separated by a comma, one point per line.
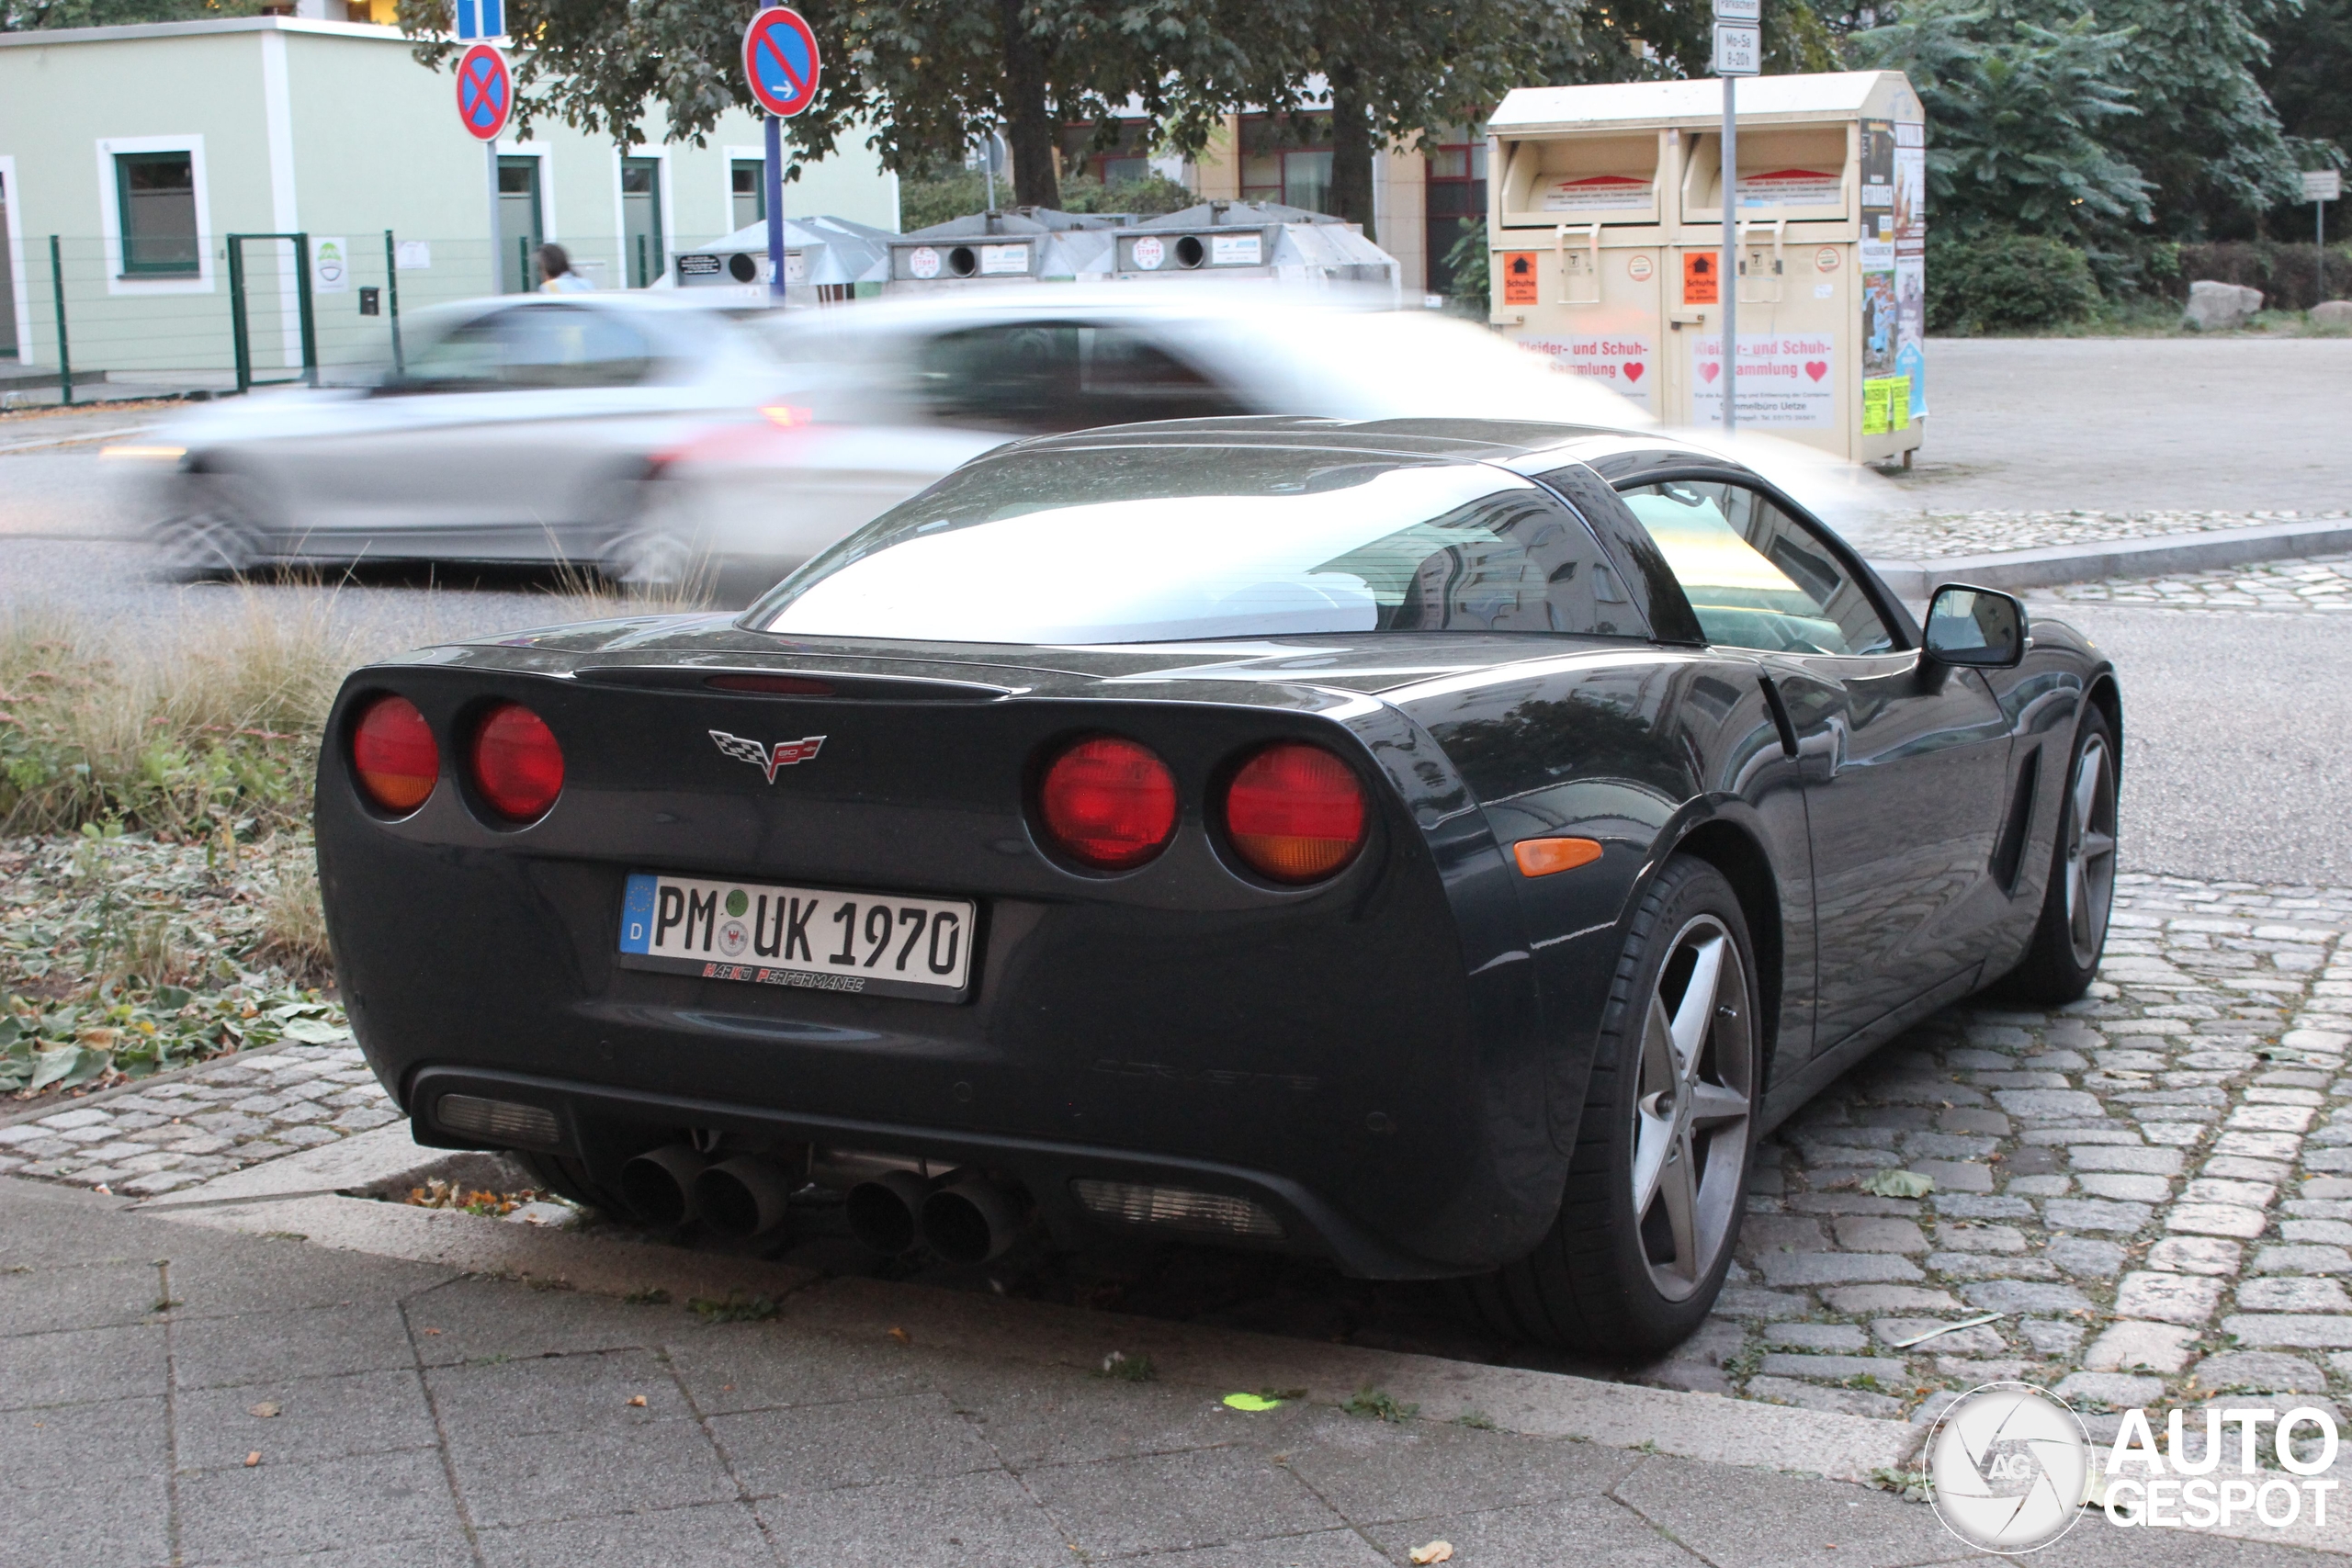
x=1606, y=234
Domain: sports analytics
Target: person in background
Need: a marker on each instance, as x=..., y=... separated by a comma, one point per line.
x=555, y=267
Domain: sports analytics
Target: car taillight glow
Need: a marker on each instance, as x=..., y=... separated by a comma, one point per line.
x=1294, y=813
x=517, y=765
x=393, y=753
x=1109, y=803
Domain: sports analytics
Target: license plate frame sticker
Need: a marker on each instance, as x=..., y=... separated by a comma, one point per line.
x=819, y=939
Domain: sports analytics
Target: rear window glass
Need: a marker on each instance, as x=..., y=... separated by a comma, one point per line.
x=1154, y=544
x=1755, y=577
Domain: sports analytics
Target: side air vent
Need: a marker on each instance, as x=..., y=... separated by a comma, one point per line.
x=2008, y=855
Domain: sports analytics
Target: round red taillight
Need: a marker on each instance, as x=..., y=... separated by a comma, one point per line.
x=1294, y=813
x=393, y=755
x=517, y=765
x=1109, y=803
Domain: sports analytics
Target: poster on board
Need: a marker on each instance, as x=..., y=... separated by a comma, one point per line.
x=1882, y=410
x=1911, y=261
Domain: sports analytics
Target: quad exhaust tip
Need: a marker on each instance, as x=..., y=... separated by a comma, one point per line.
x=971, y=1221
x=883, y=1212
x=662, y=1186
x=744, y=1197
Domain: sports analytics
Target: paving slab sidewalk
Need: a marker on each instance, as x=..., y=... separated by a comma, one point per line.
x=182, y=1394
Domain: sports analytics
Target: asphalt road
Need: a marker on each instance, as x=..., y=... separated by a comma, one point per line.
x=2236, y=726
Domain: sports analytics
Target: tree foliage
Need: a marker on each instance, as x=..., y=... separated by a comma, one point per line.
x=24, y=16
x=2206, y=139
x=2021, y=118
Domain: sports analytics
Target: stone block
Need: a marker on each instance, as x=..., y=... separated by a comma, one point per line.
x=2292, y=1293
x=1980, y=1238
x=2243, y=1194
x=1869, y=1233
x=2216, y=1219
x=2127, y=1347
x=2119, y=1185
x=2052, y=1105
x=2096, y=1214
x=1860, y=1301
x=2303, y=1259
x=2237, y=1167
x=1977, y=1206
x=1816, y=1337
x=2135, y=1160
x=2115, y=1391
x=2270, y=1118
x=1835, y=1268
x=2175, y=1134
x=1888, y=1369
x=2258, y=1372
x=2051, y=1336
x=2023, y=1296
x=2084, y=1258
x=1956, y=1176
x=1842, y=1401
x=2168, y=1298
x=1980, y=1340
x=2296, y=1331
x=1968, y=1119
x=1989, y=1266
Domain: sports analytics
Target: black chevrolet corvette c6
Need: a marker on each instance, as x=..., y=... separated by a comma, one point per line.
x=1443, y=848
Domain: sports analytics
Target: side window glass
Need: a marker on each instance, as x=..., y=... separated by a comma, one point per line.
x=1126, y=379
x=463, y=359
x=1756, y=577
x=1023, y=378
x=1511, y=562
x=553, y=345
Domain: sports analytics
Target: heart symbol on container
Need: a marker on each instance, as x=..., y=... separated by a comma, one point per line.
x=1709, y=371
x=1817, y=368
x=1634, y=370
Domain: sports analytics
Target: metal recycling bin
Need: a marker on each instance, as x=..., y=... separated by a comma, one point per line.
x=1250, y=239
x=820, y=253
x=1606, y=231
x=1023, y=244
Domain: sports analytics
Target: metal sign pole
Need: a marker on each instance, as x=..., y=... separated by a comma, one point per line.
x=497, y=282
x=1729, y=277
x=772, y=173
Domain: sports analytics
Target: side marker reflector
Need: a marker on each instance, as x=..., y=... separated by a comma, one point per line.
x=1542, y=857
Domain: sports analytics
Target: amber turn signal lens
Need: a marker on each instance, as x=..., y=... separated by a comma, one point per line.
x=392, y=752
x=1542, y=857
x=1294, y=813
x=517, y=765
x=1109, y=803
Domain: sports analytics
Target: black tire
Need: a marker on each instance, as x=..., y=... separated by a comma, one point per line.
x=2071, y=934
x=1594, y=1283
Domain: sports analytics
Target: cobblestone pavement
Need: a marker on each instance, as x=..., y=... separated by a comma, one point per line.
x=2149, y=1190
x=2319, y=583
x=1928, y=536
x=232, y=1113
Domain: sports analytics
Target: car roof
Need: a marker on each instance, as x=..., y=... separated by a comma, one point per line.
x=1524, y=446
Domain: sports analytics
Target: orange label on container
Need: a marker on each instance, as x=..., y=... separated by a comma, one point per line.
x=1698, y=277
x=1519, y=277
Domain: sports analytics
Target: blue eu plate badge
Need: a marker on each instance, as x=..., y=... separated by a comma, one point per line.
x=637, y=913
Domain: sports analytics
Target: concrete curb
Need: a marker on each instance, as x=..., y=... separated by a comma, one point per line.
x=1912, y=581
x=1549, y=1404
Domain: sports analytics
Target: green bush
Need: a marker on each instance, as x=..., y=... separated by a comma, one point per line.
x=959, y=193
x=2006, y=283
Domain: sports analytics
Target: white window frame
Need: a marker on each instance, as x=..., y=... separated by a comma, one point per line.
x=727, y=180
x=14, y=239
x=110, y=215
x=671, y=239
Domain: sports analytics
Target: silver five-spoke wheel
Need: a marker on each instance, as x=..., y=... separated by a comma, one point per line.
x=2091, y=850
x=1692, y=1108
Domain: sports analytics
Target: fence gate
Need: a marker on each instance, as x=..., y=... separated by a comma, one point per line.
x=300, y=334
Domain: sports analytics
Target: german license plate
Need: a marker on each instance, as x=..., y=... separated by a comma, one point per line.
x=819, y=939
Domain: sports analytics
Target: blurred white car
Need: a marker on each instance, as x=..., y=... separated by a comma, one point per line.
x=882, y=398
x=519, y=429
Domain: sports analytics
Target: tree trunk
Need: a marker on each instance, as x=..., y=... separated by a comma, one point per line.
x=1029, y=125
x=1351, y=150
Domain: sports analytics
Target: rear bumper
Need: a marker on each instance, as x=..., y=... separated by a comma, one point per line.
x=593, y=1122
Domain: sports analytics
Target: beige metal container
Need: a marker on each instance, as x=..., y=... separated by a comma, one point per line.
x=1607, y=233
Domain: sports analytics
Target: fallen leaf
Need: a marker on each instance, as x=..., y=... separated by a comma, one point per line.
x=1898, y=1184
x=902, y=1336
x=266, y=1409
x=253, y=1458
x=1435, y=1551
x=1252, y=1402
x=636, y=1402
x=433, y=1331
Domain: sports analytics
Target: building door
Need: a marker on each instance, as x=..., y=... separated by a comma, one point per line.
x=519, y=229
x=751, y=190
x=1456, y=199
x=7, y=280
x=642, y=260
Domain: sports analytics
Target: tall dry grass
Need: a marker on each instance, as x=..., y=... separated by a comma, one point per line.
x=181, y=730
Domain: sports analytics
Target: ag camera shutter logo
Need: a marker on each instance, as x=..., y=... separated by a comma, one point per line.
x=2010, y=1462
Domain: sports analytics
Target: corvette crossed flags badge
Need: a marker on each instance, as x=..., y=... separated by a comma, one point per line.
x=785, y=754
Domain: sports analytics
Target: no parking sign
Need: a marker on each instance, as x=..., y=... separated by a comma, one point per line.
x=485, y=93
x=780, y=61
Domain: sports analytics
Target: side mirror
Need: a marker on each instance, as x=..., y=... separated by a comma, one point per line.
x=1981, y=627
